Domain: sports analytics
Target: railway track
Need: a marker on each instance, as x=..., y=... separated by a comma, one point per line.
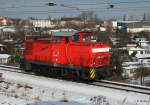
x=102, y=83
x=123, y=86
x=13, y=69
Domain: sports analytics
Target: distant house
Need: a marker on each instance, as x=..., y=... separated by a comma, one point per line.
x=74, y=20
x=141, y=59
x=42, y=23
x=124, y=24
x=10, y=29
x=143, y=43
x=5, y=21
x=5, y=58
x=136, y=27
x=140, y=52
x=2, y=47
x=129, y=68
x=144, y=58
x=137, y=50
x=110, y=23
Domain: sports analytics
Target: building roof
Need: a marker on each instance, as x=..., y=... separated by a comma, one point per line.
x=127, y=21
x=64, y=33
x=1, y=45
x=140, y=56
x=136, y=49
x=4, y=56
x=143, y=24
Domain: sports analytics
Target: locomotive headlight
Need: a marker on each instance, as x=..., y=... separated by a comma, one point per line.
x=96, y=50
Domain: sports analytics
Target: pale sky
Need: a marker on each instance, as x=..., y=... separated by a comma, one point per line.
x=38, y=9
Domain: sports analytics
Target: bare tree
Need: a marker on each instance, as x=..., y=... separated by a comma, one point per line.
x=141, y=73
x=89, y=18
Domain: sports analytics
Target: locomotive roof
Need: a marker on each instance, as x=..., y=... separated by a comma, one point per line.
x=64, y=33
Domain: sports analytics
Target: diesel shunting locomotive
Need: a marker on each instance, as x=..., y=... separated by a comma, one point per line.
x=72, y=55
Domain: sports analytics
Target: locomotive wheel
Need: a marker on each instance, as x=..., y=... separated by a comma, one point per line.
x=27, y=67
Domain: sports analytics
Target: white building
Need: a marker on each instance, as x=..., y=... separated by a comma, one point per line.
x=130, y=68
x=2, y=47
x=138, y=51
x=143, y=43
x=10, y=29
x=136, y=30
x=4, y=58
x=141, y=59
x=42, y=23
x=5, y=20
x=110, y=23
x=144, y=58
x=138, y=26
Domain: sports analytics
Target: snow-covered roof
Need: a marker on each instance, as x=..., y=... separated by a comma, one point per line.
x=134, y=65
x=129, y=63
x=4, y=55
x=62, y=30
x=129, y=45
x=143, y=41
x=1, y=45
x=127, y=21
x=143, y=55
x=136, y=49
x=8, y=40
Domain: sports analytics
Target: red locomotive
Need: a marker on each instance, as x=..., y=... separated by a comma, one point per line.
x=67, y=55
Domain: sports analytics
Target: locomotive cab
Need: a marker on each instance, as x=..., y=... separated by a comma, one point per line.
x=75, y=37
x=81, y=37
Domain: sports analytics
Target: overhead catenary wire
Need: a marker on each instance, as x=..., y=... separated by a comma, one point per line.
x=76, y=4
x=82, y=10
x=74, y=8
x=129, y=2
x=62, y=12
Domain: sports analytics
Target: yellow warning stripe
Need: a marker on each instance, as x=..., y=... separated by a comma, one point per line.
x=92, y=73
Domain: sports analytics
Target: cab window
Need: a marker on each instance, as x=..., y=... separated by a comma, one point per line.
x=75, y=38
x=87, y=38
x=67, y=39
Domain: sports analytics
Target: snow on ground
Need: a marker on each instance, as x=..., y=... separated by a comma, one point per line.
x=26, y=89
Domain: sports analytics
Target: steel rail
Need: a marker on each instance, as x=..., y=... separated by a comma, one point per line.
x=122, y=86
x=12, y=67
